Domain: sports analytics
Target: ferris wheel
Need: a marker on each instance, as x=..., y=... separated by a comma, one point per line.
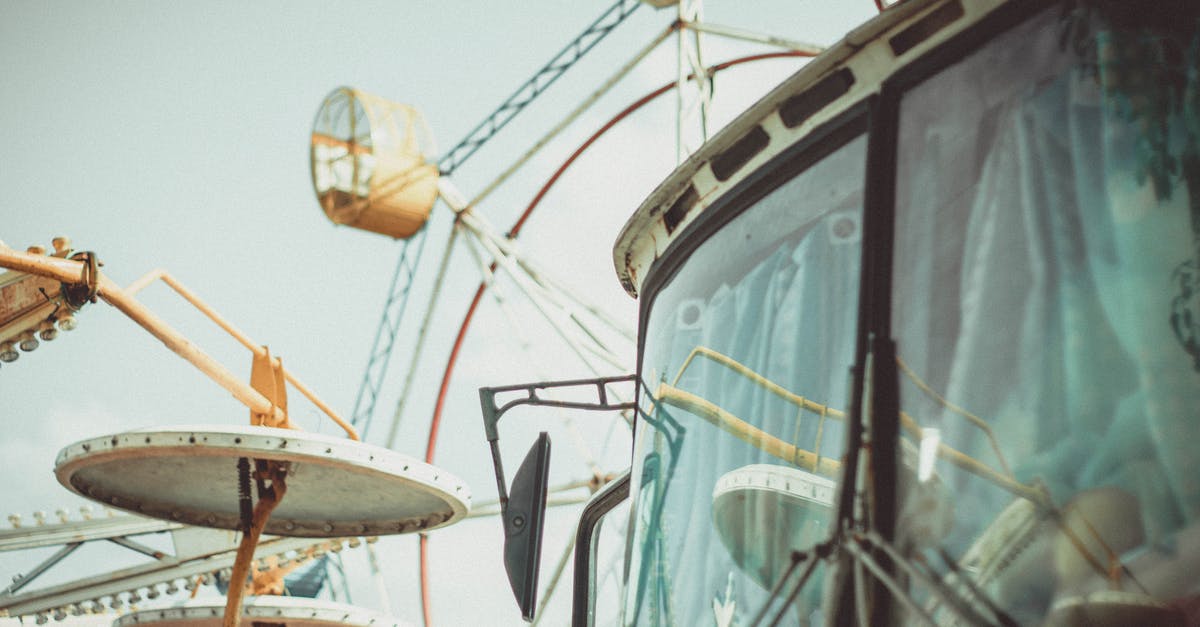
x=577, y=322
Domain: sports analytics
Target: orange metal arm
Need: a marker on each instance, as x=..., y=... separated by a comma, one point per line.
x=72, y=272
x=258, y=349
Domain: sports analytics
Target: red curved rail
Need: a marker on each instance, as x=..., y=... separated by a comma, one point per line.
x=436, y=420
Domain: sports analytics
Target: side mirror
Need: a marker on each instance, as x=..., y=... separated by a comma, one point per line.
x=524, y=513
x=524, y=520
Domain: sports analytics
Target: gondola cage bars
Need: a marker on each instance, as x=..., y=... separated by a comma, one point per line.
x=371, y=164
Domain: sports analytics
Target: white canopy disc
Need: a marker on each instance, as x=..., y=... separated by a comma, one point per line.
x=1113, y=608
x=272, y=610
x=764, y=511
x=335, y=487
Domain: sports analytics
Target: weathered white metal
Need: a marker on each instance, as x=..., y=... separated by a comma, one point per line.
x=1111, y=608
x=31, y=303
x=336, y=487
x=864, y=51
x=273, y=610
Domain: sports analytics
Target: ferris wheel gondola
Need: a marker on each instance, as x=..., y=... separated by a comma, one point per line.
x=369, y=163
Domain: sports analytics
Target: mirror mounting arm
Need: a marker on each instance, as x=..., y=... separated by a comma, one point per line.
x=492, y=411
x=523, y=520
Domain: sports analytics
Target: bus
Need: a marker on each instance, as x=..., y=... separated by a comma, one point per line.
x=919, y=337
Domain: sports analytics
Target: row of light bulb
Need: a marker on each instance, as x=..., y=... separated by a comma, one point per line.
x=129, y=599
x=119, y=601
x=64, y=516
x=28, y=342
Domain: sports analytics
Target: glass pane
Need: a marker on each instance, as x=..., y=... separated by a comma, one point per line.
x=611, y=532
x=1045, y=275
x=746, y=363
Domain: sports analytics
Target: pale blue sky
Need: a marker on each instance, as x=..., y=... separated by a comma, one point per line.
x=175, y=135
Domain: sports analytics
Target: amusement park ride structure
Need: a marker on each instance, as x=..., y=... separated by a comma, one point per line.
x=372, y=169
x=916, y=344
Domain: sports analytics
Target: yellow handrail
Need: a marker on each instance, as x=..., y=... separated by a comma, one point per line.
x=745, y=431
x=752, y=435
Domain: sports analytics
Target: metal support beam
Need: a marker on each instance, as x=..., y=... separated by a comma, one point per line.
x=385, y=334
x=690, y=63
x=410, y=373
x=133, y=545
x=20, y=581
x=534, y=87
x=574, y=114
x=105, y=528
x=747, y=35
x=563, y=311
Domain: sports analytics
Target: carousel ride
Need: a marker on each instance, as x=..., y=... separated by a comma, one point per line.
x=304, y=485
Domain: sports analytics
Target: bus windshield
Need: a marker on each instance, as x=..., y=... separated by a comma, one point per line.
x=745, y=373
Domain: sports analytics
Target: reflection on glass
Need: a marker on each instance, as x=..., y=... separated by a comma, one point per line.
x=1046, y=241
x=611, y=531
x=745, y=374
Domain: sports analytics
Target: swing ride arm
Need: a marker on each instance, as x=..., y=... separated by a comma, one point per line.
x=83, y=282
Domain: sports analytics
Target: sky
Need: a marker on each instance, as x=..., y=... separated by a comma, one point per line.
x=175, y=135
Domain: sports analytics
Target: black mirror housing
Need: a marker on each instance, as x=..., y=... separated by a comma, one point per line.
x=524, y=520
x=523, y=512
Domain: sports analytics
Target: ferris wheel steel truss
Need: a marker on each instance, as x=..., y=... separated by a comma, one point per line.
x=385, y=333
x=689, y=19
x=689, y=58
x=541, y=80
x=411, y=249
